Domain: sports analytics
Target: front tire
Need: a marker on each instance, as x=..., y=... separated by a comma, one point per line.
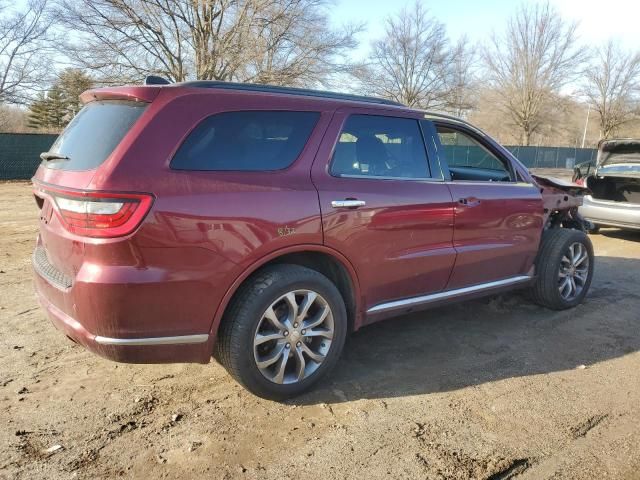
x=283, y=332
x=564, y=269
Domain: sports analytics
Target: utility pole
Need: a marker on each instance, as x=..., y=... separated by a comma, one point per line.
x=586, y=124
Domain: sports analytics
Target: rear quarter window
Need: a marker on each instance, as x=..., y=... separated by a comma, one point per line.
x=94, y=133
x=246, y=141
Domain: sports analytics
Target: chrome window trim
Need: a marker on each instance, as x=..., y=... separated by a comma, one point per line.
x=178, y=340
x=487, y=182
x=380, y=177
x=432, y=297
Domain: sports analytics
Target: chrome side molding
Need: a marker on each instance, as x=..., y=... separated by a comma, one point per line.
x=180, y=340
x=433, y=297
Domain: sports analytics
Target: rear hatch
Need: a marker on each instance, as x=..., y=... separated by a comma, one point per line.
x=71, y=214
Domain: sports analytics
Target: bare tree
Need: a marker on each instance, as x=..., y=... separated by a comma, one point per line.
x=613, y=86
x=12, y=119
x=293, y=46
x=414, y=63
x=530, y=63
x=407, y=65
x=463, y=82
x=279, y=41
x=25, y=40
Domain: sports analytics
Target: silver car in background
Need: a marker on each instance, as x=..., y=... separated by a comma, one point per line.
x=615, y=185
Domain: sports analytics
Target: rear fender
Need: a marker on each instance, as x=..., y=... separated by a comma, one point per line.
x=274, y=255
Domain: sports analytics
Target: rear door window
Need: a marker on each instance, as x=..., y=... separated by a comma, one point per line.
x=247, y=140
x=94, y=133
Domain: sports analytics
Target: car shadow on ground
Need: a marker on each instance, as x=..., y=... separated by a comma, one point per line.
x=631, y=235
x=488, y=340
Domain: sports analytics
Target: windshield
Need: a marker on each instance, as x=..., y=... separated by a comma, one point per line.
x=93, y=134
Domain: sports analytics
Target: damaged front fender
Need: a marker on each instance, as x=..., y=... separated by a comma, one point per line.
x=561, y=200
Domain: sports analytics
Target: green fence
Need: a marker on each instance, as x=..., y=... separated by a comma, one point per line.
x=553, y=157
x=20, y=153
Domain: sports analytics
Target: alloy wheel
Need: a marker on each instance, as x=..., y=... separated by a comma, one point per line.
x=293, y=337
x=574, y=271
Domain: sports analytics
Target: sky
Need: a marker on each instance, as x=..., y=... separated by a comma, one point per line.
x=598, y=20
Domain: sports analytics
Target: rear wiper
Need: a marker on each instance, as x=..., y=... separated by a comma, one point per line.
x=47, y=156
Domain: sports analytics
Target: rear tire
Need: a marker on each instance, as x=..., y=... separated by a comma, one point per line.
x=270, y=340
x=564, y=269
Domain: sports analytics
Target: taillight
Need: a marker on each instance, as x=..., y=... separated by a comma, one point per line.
x=99, y=214
x=580, y=181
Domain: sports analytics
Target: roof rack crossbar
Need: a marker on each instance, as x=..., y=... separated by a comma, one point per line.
x=252, y=87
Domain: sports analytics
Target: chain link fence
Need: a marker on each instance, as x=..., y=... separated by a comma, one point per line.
x=20, y=154
x=553, y=157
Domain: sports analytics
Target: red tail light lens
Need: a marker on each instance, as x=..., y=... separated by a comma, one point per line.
x=580, y=181
x=102, y=215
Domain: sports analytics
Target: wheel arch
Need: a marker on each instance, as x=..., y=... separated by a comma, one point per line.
x=323, y=259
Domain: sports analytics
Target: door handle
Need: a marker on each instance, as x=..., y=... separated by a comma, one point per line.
x=469, y=201
x=348, y=203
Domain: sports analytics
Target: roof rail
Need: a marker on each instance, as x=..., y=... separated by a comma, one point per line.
x=252, y=87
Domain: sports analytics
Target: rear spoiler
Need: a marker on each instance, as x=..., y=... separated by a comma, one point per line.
x=133, y=94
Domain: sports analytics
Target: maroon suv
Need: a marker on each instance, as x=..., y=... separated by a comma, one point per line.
x=262, y=224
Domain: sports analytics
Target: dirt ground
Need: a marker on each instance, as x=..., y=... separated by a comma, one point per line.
x=493, y=389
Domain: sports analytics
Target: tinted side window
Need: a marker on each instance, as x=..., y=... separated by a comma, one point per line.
x=380, y=146
x=251, y=140
x=94, y=133
x=468, y=159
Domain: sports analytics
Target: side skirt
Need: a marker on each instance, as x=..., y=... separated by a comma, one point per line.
x=407, y=305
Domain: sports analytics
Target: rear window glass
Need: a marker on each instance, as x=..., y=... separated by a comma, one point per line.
x=250, y=141
x=94, y=133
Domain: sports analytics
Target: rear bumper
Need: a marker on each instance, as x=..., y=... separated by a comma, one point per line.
x=615, y=214
x=157, y=349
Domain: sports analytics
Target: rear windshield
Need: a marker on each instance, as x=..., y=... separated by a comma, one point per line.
x=249, y=141
x=94, y=133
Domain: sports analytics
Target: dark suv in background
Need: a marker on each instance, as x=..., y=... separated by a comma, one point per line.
x=263, y=224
